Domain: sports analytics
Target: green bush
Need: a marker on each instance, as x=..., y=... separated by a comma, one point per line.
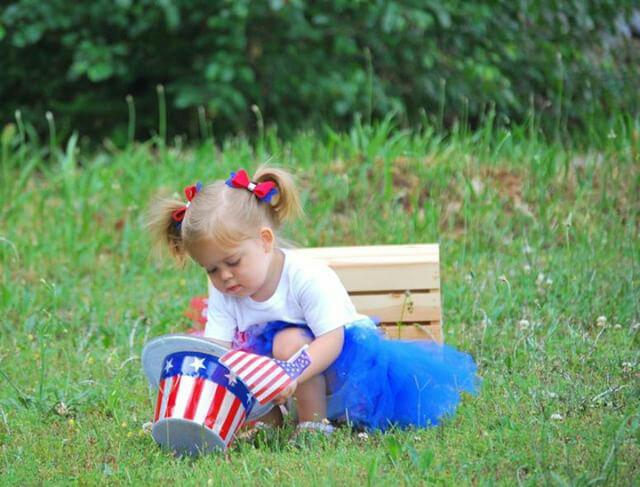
x=304, y=63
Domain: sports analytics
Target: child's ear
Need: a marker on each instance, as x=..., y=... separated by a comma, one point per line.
x=267, y=238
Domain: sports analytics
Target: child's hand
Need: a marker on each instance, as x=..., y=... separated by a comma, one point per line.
x=286, y=394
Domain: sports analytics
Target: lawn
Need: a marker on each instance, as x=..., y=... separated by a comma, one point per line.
x=540, y=268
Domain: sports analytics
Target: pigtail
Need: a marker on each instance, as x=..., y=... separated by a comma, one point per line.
x=164, y=229
x=286, y=205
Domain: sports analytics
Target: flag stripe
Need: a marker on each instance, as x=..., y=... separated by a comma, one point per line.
x=276, y=380
x=247, y=366
x=218, y=396
x=268, y=394
x=168, y=383
x=172, y=396
x=184, y=394
x=156, y=415
x=233, y=358
x=223, y=412
x=235, y=425
x=252, y=373
x=273, y=389
x=205, y=401
x=261, y=375
x=269, y=374
x=224, y=431
x=257, y=374
x=190, y=411
x=245, y=360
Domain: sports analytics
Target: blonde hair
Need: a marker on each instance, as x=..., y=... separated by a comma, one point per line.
x=225, y=214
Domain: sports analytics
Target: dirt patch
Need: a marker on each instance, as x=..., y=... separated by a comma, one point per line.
x=508, y=182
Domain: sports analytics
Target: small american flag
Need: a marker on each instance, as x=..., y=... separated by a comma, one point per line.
x=265, y=377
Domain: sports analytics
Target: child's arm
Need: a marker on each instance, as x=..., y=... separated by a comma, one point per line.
x=323, y=351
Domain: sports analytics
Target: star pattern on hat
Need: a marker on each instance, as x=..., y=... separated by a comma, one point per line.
x=168, y=366
x=197, y=364
x=232, y=378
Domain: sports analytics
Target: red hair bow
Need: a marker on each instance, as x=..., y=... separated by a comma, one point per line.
x=190, y=192
x=264, y=191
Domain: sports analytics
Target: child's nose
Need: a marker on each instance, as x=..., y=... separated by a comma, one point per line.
x=225, y=275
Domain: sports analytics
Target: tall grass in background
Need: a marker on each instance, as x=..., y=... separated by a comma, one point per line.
x=540, y=264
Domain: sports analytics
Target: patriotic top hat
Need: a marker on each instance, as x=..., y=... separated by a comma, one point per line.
x=200, y=403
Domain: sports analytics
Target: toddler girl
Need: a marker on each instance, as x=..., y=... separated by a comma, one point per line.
x=271, y=301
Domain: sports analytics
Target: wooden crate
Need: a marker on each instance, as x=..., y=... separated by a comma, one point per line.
x=398, y=284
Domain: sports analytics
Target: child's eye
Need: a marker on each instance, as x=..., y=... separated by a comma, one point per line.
x=212, y=271
x=233, y=264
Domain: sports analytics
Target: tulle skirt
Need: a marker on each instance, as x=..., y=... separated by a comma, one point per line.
x=376, y=383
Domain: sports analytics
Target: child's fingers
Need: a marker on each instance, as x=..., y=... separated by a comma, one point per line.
x=285, y=394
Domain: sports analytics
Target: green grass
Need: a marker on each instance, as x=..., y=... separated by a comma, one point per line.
x=538, y=240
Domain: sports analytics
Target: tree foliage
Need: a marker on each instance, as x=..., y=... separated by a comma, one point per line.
x=307, y=62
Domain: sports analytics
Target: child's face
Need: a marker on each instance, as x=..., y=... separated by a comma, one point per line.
x=240, y=271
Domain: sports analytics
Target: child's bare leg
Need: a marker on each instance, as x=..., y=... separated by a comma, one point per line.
x=312, y=400
x=310, y=395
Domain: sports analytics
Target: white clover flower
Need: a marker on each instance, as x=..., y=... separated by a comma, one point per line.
x=526, y=268
x=524, y=324
x=62, y=409
x=627, y=367
x=601, y=321
x=477, y=185
x=363, y=436
x=557, y=417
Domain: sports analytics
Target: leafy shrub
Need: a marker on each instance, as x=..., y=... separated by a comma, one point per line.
x=304, y=63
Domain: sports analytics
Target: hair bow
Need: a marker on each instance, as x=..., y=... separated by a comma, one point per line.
x=264, y=191
x=190, y=192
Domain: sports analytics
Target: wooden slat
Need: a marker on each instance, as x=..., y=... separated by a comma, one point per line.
x=363, y=260
x=382, y=268
x=391, y=308
x=417, y=276
x=425, y=251
x=427, y=331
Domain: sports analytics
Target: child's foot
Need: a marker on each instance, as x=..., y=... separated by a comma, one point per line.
x=309, y=432
x=323, y=426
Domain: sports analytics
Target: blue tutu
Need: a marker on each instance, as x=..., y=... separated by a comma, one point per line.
x=376, y=383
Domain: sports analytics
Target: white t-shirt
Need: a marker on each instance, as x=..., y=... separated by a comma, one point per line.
x=309, y=292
